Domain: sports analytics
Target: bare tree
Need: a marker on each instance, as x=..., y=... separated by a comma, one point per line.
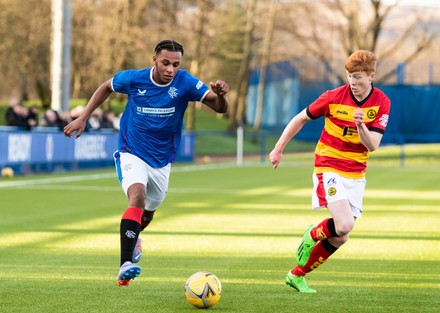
x=25, y=47
x=109, y=35
x=265, y=58
x=196, y=61
x=237, y=110
x=340, y=27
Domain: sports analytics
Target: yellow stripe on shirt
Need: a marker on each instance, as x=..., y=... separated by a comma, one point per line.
x=324, y=150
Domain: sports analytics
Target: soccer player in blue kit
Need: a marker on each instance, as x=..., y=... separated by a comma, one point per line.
x=149, y=136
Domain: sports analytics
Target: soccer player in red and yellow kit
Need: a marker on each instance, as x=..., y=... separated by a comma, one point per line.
x=356, y=117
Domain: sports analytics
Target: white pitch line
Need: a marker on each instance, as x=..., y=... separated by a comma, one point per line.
x=41, y=181
x=68, y=179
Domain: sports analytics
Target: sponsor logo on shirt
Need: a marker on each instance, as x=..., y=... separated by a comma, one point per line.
x=142, y=92
x=160, y=112
x=342, y=112
x=348, y=131
x=384, y=120
x=331, y=181
x=199, y=85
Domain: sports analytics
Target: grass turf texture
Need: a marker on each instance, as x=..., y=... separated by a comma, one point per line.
x=59, y=243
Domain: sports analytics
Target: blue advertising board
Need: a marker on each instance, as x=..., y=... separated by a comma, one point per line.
x=47, y=150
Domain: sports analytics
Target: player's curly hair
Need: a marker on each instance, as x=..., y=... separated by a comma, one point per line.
x=169, y=45
x=361, y=61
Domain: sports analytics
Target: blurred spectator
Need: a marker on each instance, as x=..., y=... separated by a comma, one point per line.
x=33, y=115
x=51, y=118
x=18, y=115
x=116, y=121
x=95, y=119
x=108, y=120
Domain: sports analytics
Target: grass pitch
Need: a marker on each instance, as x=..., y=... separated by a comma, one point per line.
x=59, y=242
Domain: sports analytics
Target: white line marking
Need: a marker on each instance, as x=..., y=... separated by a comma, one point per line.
x=68, y=179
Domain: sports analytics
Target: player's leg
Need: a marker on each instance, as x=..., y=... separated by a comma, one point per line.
x=344, y=221
x=325, y=244
x=334, y=232
x=325, y=187
x=136, y=198
x=155, y=194
x=320, y=253
x=328, y=244
x=133, y=175
x=130, y=227
x=345, y=211
x=147, y=217
x=157, y=189
x=321, y=241
x=313, y=234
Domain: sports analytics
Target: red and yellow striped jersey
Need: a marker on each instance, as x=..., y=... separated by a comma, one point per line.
x=339, y=148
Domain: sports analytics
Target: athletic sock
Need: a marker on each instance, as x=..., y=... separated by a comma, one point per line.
x=130, y=228
x=324, y=230
x=320, y=253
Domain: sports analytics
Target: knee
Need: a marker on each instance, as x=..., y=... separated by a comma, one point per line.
x=343, y=229
x=136, y=196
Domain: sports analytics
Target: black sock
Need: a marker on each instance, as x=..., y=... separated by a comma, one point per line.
x=328, y=246
x=129, y=233
x=331, y=227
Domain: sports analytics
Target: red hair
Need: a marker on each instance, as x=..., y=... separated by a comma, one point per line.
x=361, y=61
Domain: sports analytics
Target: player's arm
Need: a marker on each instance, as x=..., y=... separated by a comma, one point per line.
x=218, y=99
x=99, y=96
x=370, y=139
x=289, y=132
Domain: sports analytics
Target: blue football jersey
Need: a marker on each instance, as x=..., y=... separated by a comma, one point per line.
x=151, y=124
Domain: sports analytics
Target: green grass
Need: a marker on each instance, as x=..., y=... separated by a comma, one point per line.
x=59, y=242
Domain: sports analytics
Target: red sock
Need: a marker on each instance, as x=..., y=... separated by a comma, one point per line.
x=134, y=214
x=320, y=253
x=324, y=230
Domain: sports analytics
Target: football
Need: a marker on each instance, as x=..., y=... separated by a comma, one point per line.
x=7, y=172
x=203, y=290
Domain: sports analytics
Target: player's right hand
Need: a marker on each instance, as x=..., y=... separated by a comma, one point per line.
x=275, y=158
x=77, y=125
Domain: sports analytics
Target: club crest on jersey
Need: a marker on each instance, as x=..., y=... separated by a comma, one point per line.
x=172, y=92
x=371, y=114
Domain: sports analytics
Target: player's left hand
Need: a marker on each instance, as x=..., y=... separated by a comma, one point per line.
x=219, y=87
x=358, y=116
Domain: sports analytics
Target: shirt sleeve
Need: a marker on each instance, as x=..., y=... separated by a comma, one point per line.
x=320, y=107
x=197, y=89
x=380, y=122
x=121, y=81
